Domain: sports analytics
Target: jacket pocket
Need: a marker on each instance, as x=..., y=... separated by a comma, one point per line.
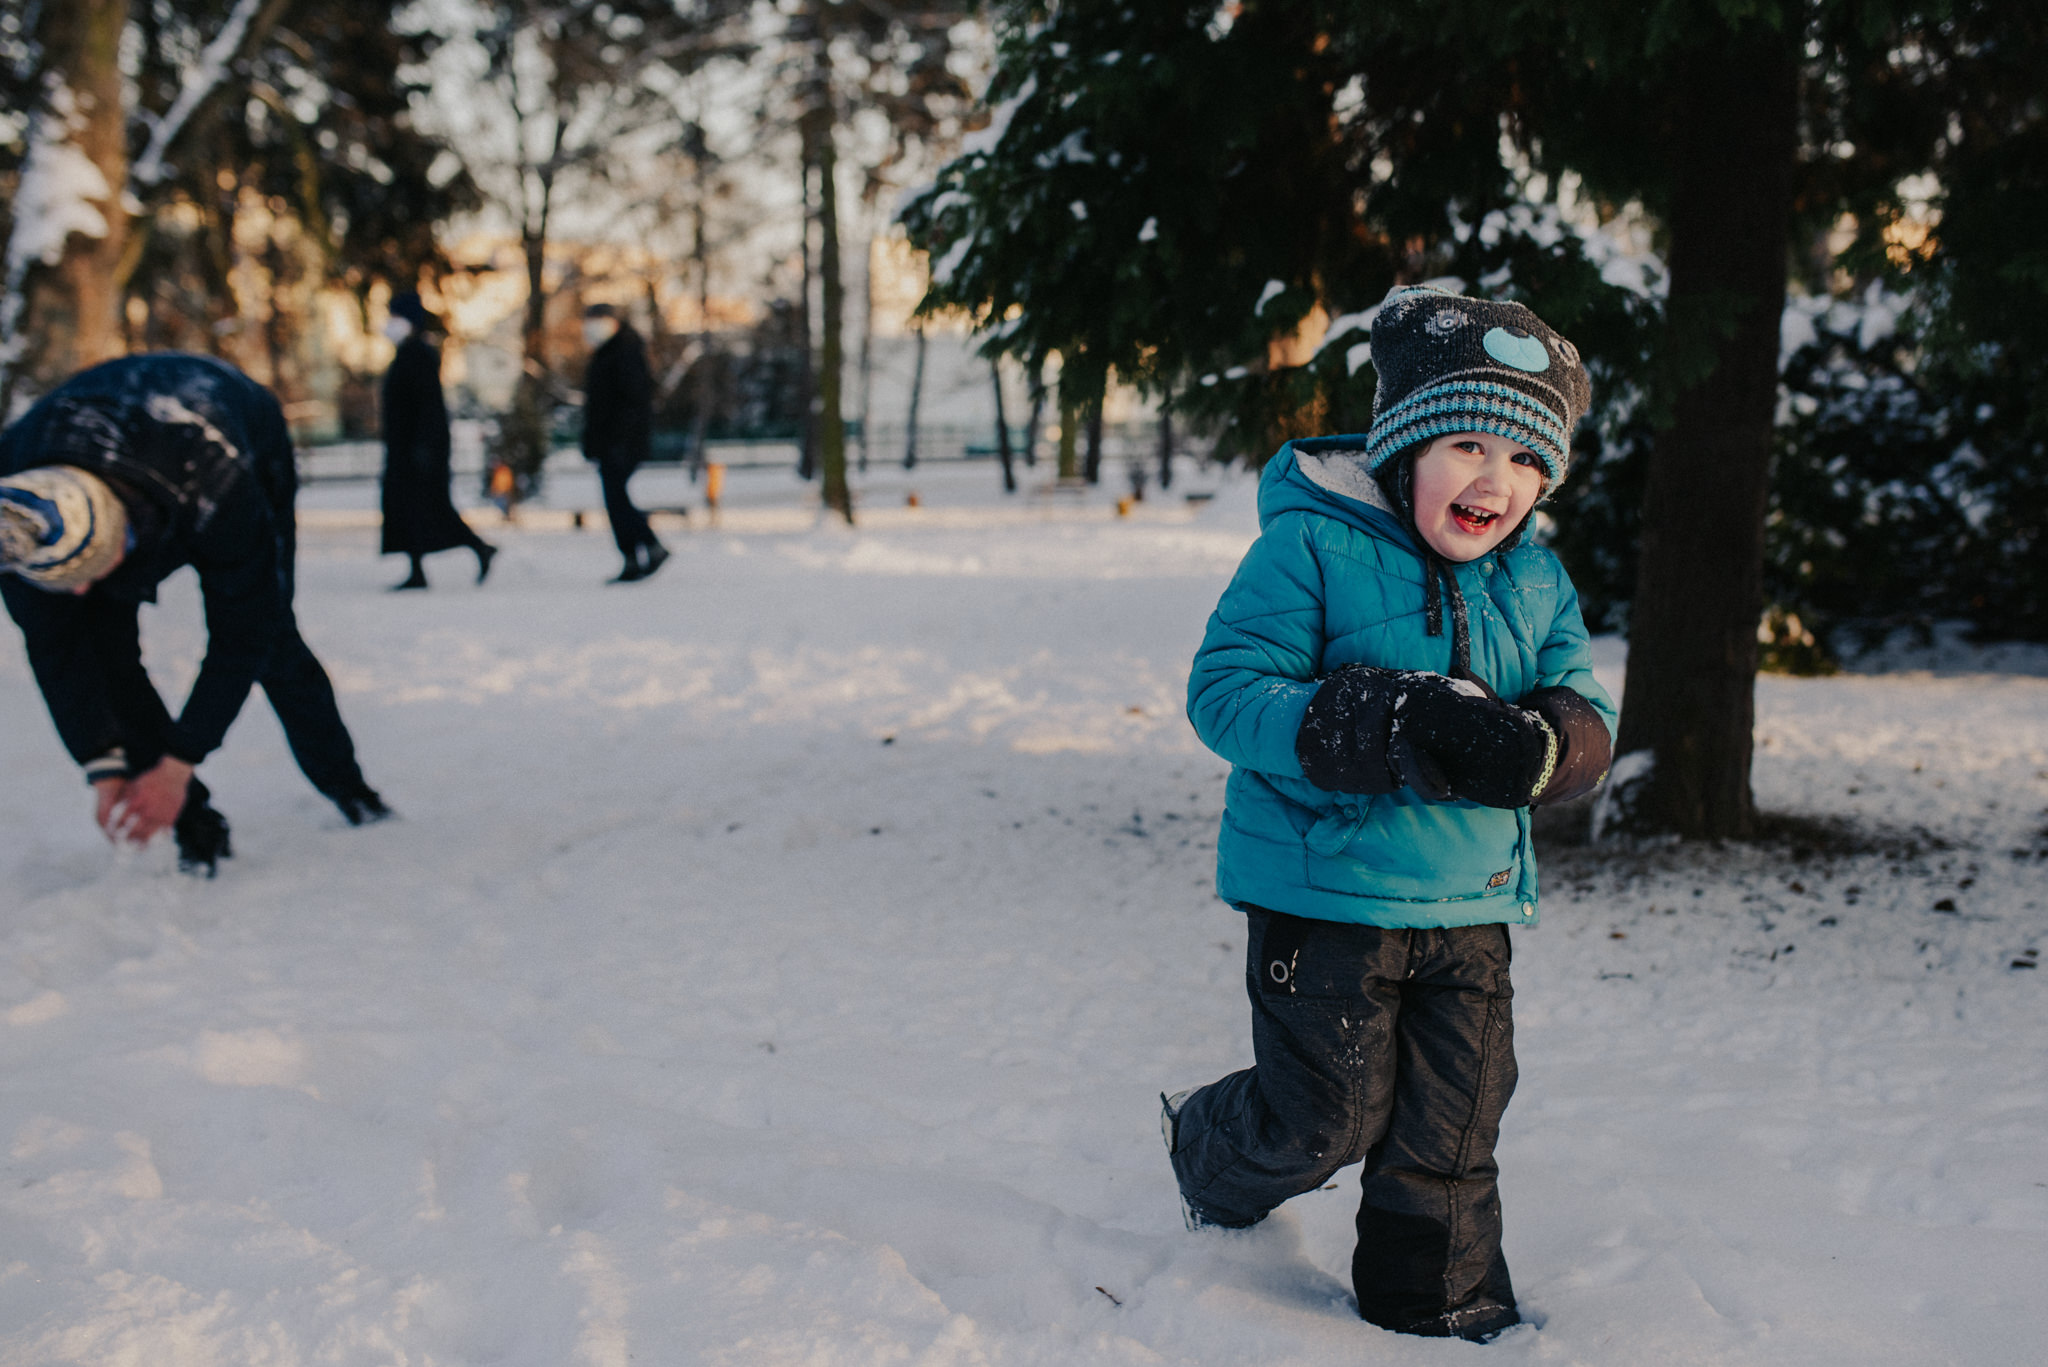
x=1335, y=829
x=1406, y=849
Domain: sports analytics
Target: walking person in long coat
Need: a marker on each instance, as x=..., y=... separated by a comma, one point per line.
x=419, y=515
x=618, y=432
x=121, y=476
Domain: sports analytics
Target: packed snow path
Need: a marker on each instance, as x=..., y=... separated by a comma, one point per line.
x=778, y=963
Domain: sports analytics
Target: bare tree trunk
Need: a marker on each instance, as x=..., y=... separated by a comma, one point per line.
x=523, y=433
x=279, y=332
x=1690, y=697
x=700, y=255
x=1166, y=440
x=807, y=364
x=867, y=348
x=60, y=309
x=1091, y=467
x=916, y=399
x=832, y=360
x=1036, y=424
x=995, y=374
x=1070, y=462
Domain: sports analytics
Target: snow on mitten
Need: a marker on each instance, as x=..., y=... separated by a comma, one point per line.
x=1342, y=743
x=1489, y=751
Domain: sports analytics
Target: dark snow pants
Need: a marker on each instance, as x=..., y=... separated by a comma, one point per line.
x=629, y=524
x=298, y=689
x=1391, y=1046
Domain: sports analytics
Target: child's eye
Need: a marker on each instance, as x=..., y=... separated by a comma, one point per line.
x=1525, y=458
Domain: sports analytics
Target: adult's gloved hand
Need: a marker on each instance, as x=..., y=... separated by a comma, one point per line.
x=1487, y=751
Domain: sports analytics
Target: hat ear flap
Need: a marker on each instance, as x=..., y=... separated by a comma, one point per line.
x=1396, y=477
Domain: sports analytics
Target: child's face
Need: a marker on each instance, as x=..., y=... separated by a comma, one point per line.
x=1471, y=490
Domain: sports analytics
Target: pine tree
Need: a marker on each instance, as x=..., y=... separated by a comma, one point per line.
x=1170, y=191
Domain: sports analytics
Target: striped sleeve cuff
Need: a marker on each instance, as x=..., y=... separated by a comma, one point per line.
x=113, y=764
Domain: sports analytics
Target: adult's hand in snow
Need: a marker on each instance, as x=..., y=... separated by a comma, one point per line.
x=152, y=801
x=106, y=796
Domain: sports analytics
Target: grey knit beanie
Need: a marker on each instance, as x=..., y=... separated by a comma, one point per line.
x=1449, y=363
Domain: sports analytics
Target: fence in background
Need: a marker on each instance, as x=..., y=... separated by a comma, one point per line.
x=885, y=447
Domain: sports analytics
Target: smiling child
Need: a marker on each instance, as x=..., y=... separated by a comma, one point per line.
x=1396, y=676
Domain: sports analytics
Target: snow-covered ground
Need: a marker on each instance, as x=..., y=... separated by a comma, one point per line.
x=778, y=963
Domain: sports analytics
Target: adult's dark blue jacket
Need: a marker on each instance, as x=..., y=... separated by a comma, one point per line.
x=618, y=402
x=202, y=459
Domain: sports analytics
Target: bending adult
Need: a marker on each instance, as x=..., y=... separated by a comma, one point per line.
x=618, y=432
x=125, y=473
x=419, y=515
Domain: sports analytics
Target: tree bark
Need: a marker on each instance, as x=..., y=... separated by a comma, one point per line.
x=62, y=304
x=1091, y=465
x=1034, y=425
x=832, y=354
x=1069, y=460
x=1690, y=697
x=807, y=357
x=916, y=401
x=1165, y=441
x=523, y=433
x=700, y=255
x=995, y=375
x=867, y=346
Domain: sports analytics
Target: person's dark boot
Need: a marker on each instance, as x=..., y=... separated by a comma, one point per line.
x=632, y=574
x=657, y=556
x=416, y=580
x=1481, y=1324
x=485, y=554
x=363, y=807
x=201, y=833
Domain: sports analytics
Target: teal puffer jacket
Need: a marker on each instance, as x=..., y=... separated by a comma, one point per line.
x=1336, y=579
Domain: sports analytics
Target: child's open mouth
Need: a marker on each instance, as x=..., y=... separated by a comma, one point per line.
x=1473, y=520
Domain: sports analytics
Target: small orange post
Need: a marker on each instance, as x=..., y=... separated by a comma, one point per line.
x=502, y=487
x=714, y=483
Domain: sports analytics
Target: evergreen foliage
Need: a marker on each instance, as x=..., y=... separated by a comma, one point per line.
x=1151, y=168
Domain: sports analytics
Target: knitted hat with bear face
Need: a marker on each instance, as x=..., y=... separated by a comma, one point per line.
x=1448, y=363
x=60, y=528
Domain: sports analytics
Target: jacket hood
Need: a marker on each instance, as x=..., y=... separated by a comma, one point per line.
x=1327, y=476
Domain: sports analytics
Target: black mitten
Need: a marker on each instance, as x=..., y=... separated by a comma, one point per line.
x=1584, y=747
x=201, y=832
x=1488, y=751
x=1342, y=743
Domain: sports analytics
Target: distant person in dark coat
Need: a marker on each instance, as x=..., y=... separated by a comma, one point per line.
x=121, y=476
x=419, y=516
x=618, y=432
